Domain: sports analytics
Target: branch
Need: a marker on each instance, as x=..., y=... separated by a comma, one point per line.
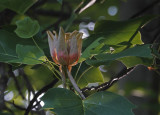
x=16, y=106
x=44, y=89
x=10, y=73
x=108, y=84
x=28, y=84
x=52, y=13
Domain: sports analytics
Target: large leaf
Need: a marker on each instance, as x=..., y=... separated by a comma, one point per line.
x=125, y=56
x=27, y=28
x=19, y=6
x=11, y=52
x=30, y=54
x=65, y=102
x=107, y=103
x=117, y=34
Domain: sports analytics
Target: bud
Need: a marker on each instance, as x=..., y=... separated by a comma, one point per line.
x=65, y=48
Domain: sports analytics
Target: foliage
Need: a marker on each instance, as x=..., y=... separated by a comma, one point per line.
x=24, y=48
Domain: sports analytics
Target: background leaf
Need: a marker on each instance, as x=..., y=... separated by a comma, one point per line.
x=18, y=6
x=86, y=74
x=60, y=1
x=93, y=75
x=27, y=28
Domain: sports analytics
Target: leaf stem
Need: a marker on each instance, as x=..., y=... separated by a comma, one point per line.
x=75, y=85
x=63, y=79
x=36, y=44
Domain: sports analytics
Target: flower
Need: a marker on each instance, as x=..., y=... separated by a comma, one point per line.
x=65, y=48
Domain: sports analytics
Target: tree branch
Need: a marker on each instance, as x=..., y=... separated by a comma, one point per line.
x=44, y=89
x=11, y=74
x=52, y=13
x=108, y=84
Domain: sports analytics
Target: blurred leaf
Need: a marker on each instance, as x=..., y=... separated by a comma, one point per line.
x=86, y=74
x=30, y=54
x=63, y=101
x=143, y=51
x=93, y=75
x=60, y=1
x=27, y=28
x=4, y=113
x=39, y=77
x=131, y=61
x=18, y=6
x=101, y=6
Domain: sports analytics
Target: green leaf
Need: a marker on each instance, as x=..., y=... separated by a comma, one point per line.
x=91, y=75
x=86, y=74
x=60, y=1
x=117, y=34
x=107, y=103
x=131, y=61
x=18, y=6
x=27, y=28
x=63, y=101
x=142, y=51
x=10, y=52
x=30, y=54
x=1, y=113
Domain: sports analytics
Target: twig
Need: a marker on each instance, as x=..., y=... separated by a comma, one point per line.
x=52, y=13
x=28, y=84
x=16, y=106
x=108, y=84
x=44, y=89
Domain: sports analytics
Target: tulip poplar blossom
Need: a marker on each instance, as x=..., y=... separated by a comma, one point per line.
x=65, y=48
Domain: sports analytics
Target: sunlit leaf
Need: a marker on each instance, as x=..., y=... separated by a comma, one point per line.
x=86, y=74
x=119, y=35
x=125, y=56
